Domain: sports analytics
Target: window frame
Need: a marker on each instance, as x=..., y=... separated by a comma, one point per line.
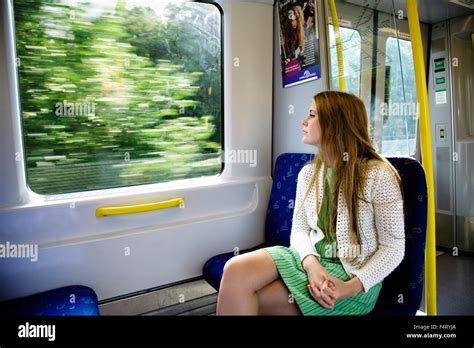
x=128, y=189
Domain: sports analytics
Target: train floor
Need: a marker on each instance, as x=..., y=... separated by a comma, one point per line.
x=455, y=286
x=194, y=297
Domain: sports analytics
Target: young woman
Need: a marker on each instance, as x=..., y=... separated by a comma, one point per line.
x=348, y=226
x=309, y=15
x=294, y=38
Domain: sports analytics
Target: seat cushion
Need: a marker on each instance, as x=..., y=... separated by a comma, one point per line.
x=67, y=301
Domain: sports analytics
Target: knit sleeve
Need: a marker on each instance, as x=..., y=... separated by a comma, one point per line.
x=300, y=229
x=389, y=223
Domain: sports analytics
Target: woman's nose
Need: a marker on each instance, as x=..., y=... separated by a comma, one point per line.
x=304, y=121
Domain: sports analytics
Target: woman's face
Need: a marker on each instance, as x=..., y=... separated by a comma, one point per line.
x=311, y=128
x=293, y=19
x=294, y=23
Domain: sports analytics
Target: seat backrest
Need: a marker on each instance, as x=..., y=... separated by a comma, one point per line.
x=282, y=197
x=402, y=290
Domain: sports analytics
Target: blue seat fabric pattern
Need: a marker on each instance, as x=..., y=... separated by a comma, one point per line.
x=74, y=300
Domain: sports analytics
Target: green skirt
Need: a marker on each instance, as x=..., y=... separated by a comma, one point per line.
x=295, y=278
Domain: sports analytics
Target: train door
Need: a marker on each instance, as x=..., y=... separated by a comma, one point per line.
x=451, y=87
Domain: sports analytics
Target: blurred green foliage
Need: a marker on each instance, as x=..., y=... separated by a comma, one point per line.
x=116, y=95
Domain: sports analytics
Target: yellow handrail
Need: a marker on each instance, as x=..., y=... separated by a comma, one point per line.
x=426, y=154
x=340, y=61
x=140, y=208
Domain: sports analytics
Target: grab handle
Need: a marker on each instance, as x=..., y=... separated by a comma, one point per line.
x=140, y=208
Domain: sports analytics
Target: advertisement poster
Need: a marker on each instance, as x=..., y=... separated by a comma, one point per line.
x=299, y=41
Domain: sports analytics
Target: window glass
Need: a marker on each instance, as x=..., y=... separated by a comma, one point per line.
x=400, y=107
x=118, y=93
x=351, y=51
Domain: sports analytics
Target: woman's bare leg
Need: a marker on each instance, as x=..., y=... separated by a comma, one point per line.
x=244, y=275
x=275, y=299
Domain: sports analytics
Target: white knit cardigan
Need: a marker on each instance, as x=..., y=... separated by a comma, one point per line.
x=380, y=224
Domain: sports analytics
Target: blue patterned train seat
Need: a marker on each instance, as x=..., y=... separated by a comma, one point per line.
x=67, y=301
x=402, y=290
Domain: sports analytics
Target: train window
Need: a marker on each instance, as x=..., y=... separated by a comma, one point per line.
x=118, y=93
x=400, y=107
x=351, y=47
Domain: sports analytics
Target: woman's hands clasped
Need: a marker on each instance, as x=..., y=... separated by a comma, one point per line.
x=317, y=278
x=326, y=289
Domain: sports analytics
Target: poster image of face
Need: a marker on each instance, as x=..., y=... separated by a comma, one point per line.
x=299, y=41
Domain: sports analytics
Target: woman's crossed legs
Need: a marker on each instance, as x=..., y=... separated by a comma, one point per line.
x=251, y=286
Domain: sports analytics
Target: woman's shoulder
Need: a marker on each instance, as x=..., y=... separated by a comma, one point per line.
x=377, y=165
x=307, y=170
x=372, y=168
x=381, y=171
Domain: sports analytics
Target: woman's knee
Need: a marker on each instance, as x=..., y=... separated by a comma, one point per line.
x=255, y=269
x=235, y=267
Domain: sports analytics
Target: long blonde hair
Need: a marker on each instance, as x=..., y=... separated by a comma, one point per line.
x=345, y=140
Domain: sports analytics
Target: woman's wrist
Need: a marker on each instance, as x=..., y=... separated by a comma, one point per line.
x=309, y=262
x=355, y=286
